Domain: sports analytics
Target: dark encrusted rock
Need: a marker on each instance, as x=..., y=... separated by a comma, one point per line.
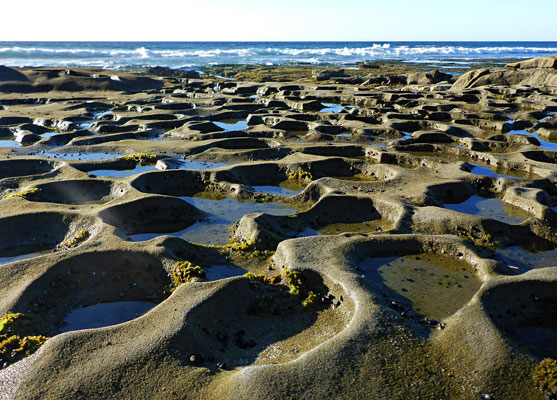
x=173, y=73
x=427, y=78
x=9, y=74
x=325, y=74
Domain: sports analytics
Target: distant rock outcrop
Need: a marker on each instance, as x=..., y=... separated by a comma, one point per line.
x=37, y=80
x=540, y=62
x=426, y=78
x=9, y=74
x=537, y=72
x=325, y=74
x=173, y=73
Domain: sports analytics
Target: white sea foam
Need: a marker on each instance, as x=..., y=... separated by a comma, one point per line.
x=110, y=55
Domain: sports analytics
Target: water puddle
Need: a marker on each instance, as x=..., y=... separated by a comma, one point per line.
x=232, y=125
x=481, y=170
x=216, y=272
x=105, y=314
x=187, y=164
x=434, y=286
x=23, y=254
x=522, y=260
x=293, y=185
x=113, y=173
x=330, y=107
x=378, y=225
x=344, y=135
x=276, y=190
x=49, y=134
x=489, y=208
x=375, y=226
x=307, y=232
x=222, y=214
x=543, y=144
x=10, y=143
x=335, y=108
x=83, y=124
x=78, y=156
x=224, y=77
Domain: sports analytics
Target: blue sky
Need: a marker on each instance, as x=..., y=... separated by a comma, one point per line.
x=252, y=20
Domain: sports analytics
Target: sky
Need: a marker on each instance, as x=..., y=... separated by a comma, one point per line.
x=282, y=20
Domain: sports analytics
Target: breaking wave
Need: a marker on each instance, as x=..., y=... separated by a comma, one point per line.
x=199, y=54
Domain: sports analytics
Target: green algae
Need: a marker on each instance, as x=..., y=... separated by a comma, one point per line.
x=16, y=338
x=25, y=194
x=545, y=377
x=185, y=271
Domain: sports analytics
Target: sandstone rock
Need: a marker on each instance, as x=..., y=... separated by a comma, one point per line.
x=9, y=74
x=540, y=62
x=427, y=78
x=323, y=75
x=536, y=77
x=173, y=73
x=254, y=120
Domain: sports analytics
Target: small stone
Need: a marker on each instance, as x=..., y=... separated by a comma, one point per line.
x=222, y=365
x=196, y=358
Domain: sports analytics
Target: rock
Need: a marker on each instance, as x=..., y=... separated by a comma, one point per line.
x=254, y=120
x=173, y=73
x=9, y=74
x=308, y=105
x=540, y=62
x=365, y=66
x=547, y=134
x=352, y=80
x=535, y=73
x=397, y=80
x=325, y=74
x=428, y=78
x=27, y=138
x=196, y=358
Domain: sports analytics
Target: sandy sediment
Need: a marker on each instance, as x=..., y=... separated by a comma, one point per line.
x=362, y=235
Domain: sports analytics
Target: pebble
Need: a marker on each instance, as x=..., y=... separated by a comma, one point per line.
x=196, y=358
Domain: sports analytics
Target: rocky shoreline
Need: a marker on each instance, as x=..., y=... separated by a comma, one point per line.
x=290, y=232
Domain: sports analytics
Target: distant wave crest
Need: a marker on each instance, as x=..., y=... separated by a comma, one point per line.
x=198, y=54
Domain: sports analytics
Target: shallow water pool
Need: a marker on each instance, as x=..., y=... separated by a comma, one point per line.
x=222, y=214
x=105, y=314
x=435, y=286
x=113, y=173
x=229, y=126
x=522, y=260
x=489, y=208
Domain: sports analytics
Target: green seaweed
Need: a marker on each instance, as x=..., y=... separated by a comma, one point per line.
x=141, y=158
x=310, y=300
x=185, y=271
x=79, y=237
x=545, y=377
x=25, y=194
x=299, y=175
x=16, y=340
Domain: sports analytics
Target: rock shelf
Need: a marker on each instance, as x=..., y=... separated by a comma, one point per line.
x=387, y=237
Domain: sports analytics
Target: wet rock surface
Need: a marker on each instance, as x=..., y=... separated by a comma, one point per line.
x=342, y=236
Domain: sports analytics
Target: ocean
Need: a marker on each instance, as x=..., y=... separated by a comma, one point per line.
x=188, y=55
